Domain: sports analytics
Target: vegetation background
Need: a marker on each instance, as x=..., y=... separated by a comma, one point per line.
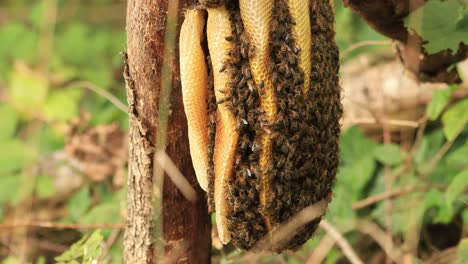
x=401, y=190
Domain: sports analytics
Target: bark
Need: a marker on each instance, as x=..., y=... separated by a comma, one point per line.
x=386, y=17
x=186, y=225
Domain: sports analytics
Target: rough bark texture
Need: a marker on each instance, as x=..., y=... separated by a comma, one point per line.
x=386, y=17
x=186, y=225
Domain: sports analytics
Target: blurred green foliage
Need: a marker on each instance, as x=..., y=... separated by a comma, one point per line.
x=40, y=96
x=443, y=24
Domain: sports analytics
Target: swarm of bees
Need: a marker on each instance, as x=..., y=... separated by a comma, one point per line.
x=262, y=98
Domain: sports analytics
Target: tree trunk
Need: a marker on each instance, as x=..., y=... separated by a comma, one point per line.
x=186, y=225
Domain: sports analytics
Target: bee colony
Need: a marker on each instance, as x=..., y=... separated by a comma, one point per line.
x=262, y=98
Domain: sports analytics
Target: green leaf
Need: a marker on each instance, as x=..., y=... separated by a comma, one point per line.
x=358, y=174
x=462, y=252
x=86, y=251
x=439, y=100
x=435, y=198
x=103, y=213
x=353, y=144
x=458, y=157
x=341, y=212
x=390, y=154
x=429, y=146
x=441, y=24
x=11, y=260
x=455, y=119
x=456, y=187
x=45, y=187
x=41, y=260
x=26, y=188
x=79, y=203
x=50, y=140
x=9, y=185
x=27, y=90
x=62, y=105
x=10, y=121
x=22, y=38
x=13, y=156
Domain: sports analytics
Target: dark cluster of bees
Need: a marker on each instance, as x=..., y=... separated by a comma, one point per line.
x=304, y=134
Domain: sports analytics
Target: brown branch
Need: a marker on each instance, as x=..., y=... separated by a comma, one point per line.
x=383, y=196
x=53, y=225
x=342, y=242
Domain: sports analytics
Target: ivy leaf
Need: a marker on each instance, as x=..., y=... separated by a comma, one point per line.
x=441, y=24
x=455, y=119
x=439, y=100
x=390, y=154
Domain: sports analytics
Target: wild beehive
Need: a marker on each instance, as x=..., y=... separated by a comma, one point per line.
x=262, y=101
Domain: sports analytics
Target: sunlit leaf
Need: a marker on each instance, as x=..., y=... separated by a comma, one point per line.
x=455, y=119
x=9, y=119
x=456, y=187
x=458, y=157
x=390, y=154
x=45, y=187
x=86, y=251
x=79, y=203
x=13, y=156
x=439, y=100
x=353, y=144
x=62, y=105
x=441, y=24
x=9, y=185
x=462, y=252
x=435, y=199
x=27, y=90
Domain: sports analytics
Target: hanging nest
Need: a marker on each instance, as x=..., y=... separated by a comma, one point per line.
x=263, y=109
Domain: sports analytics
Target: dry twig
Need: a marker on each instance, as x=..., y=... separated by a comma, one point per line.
x=176, y=176
x=355, y=46
x=342, y=242
x=53, y=225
